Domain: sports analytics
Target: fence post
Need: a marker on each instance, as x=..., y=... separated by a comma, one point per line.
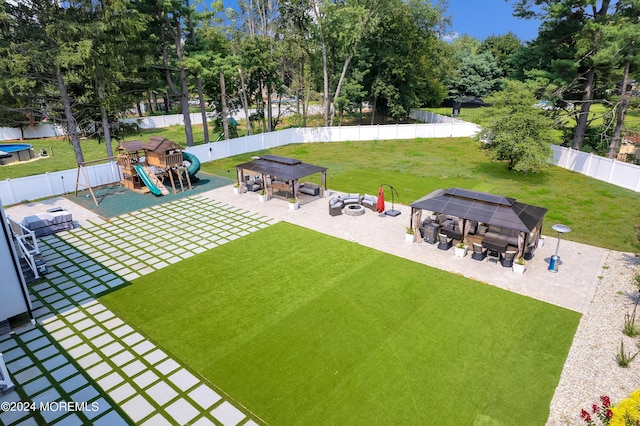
x=613, y=165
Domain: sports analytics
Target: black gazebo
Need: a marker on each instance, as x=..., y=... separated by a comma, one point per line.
x=280, y=172
x=482, y=207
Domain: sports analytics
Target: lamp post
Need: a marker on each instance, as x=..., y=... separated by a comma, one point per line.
x=560, y=229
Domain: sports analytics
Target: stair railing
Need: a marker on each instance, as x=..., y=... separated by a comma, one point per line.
x=27, y=244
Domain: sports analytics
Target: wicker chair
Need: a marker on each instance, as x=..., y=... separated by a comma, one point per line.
x=479, y=252
x=444, y=242
x=335, y=207
x=506, y=258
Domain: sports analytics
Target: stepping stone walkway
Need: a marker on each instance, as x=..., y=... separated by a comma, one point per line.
x=83, y=352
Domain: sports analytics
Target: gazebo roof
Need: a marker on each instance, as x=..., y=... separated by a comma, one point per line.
x=160, y=144
x=482, y=207
x=282, y=167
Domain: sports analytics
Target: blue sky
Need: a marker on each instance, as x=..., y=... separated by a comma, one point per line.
x=482, y=18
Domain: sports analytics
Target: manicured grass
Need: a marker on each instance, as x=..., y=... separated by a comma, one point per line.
x=599, y=214
x=303, y=328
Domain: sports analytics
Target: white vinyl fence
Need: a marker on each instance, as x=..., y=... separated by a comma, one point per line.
x=14, y=191
x=614, y=172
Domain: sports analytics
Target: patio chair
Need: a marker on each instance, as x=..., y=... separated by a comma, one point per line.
x=335, y=207
x=444, y=242
x=479, y=252
x=506, y=258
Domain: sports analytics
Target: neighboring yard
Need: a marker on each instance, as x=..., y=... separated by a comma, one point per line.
x=304, y=328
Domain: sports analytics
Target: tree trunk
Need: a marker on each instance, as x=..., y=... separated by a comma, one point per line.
x=325, y=71
x=72, y=125
x=373, y=110
x=184, y=103
x=139, y=110
x=223, y=100
x=203, y=109
x=269, y=111
x=105, y=118
x=587, y=100
x=623, y=106
x=343, y=74
x=149, y=102
x=245, y=101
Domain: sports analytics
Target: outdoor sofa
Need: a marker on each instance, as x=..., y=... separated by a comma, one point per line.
x=310, y=188
x=338, y=203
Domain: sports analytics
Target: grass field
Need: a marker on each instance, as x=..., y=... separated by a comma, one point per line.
x=599, y=213
x=592, y=208
x=303, y=328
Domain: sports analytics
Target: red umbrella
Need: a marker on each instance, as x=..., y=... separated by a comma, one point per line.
x=380, y=203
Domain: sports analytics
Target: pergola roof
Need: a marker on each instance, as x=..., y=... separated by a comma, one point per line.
x=282, y=167
x=482, y=207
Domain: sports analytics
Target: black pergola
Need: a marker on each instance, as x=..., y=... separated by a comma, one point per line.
x=283, y=169
x=481, y=207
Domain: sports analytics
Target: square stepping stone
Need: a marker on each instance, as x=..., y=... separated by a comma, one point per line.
x=85, y=394
x=204, y=396
x=37, y=386
x=167, y=366
x=143, y=347
x=161, y=393
x=46, y=396
x=104, y=315
x=122, y=331
x=30, y=335
x=63, y=333
x=122, y=358
x=155, y=356
x=113, y=323
x=73, y=383
x=182, y=411
x=132, y=339
x=145, y=379
x=89, y=360
x=102, y=340
x=227, y=414
x=38, y=343
x=134, y=368
x=137, y=408
x=79, y=351
x=7, y=344
x=71, y=342
x=70, y=420
x=99, y=289
x=121, y=393
x=110, y=381
x=111, y=349
x=45, y=352
x=99, y=370
x=28, y=374
x=93, y=332
x=64, y=372
x=20, y=364
x=54, y=362
x=94, y=309
x=183, y=379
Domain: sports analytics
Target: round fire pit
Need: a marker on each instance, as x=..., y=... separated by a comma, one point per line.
x=354, y=210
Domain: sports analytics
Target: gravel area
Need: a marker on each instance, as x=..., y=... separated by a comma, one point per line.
x=591, y=369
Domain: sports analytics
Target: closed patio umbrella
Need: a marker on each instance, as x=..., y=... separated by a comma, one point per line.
x=380, y=203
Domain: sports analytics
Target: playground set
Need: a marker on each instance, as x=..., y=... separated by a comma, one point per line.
x=145, y=166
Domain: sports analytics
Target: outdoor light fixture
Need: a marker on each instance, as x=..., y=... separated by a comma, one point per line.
x=555, y=259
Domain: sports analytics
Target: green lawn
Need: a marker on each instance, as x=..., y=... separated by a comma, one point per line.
x=303, y=329
x=599, y=214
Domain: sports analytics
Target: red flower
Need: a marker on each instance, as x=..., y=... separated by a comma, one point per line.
x=585, y=416
x=605, y=400
x=609, y=414
x=595, y=408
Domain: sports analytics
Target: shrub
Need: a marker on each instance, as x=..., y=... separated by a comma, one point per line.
x=627, y=412
x=624, y=358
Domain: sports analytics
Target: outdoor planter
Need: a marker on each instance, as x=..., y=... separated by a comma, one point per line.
x=409, y=236
x=263, y=197
x=237, y=190
x=294, y=204
x=519, y=268
x=460, y=251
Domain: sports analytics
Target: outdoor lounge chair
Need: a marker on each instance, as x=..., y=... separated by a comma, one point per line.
x=479, y=252
x=444, y=242
x=506, y=258
x=335, y=207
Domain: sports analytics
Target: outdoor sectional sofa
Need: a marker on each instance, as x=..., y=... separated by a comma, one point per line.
x=336, y=204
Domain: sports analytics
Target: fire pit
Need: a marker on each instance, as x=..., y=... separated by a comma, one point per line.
x=354, y=210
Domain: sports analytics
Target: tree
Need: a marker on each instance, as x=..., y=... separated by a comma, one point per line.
x=475, y=76
x=503, y=48
x=517, y=132
x=587, y=18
